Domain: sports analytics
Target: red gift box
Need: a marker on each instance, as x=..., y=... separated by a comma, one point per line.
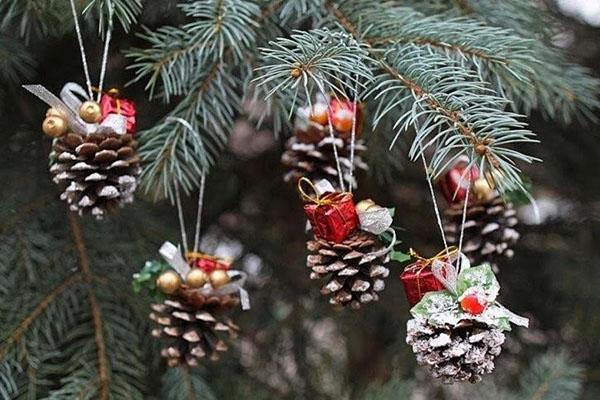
x=111, y=103
x=418, y=279
x=206, y=262
x=455, y=182
x=332, y=216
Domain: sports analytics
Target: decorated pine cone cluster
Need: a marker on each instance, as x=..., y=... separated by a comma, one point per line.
x=489, y=230
x=354, y=268
x=98, y=169
x=464, y=352
x=193, y=326
x=316, y=161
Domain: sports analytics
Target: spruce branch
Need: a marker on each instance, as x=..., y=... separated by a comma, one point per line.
x=176, y=54
x=321, y=60
x=177, y=156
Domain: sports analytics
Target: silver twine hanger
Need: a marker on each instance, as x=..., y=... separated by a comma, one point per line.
x=86, y=70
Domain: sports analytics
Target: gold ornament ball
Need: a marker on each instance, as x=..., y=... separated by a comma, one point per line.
x=90, y=112
x=196, y=278
x=365, y=205
x=482, y=190
x=219, y=278
x=54, y=126
x=168, y=282
x=55, y=112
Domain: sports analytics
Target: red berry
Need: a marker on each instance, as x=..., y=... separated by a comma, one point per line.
x=473, y=303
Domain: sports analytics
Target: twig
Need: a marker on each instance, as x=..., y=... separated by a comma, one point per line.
x=103, y=379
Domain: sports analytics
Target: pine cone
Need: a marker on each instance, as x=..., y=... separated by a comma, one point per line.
x=316, y=161
x=455, y=354
x=489, y=230
x=99, y=170
x=354, y=275
x=193, y=323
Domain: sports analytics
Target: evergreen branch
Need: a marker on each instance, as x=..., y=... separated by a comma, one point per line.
x=431, y=87
x=561, y=90
x=552, y=376
x=21, y=329
x=103, y=378
x=177, y=53
x=331, y=62
x=16, y=62
x=126, y=12
x=184, y=384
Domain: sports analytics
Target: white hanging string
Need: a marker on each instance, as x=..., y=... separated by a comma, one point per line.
x=106, y=45
x=432, y=192
x=181, y=220
x=86, y=71
x=464, y=217
x=335, y=152
x=353, y=137
x=199, y=213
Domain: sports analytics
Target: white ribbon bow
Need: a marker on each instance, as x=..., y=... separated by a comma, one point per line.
x=173, y=257
x=70, y=102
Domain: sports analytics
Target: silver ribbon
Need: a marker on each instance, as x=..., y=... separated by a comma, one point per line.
x=232, y=287
x=69, y=103
x=375, y=220
x=447, y=273
x=173, y=257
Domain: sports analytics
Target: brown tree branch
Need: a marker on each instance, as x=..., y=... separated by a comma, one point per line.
x=103, y=376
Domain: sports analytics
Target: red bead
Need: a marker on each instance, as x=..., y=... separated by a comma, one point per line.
x=473, y=303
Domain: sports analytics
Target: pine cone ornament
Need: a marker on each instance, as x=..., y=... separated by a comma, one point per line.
x=489, y=230
x=194, y=325
x=455, y=353
x=316, y=161
x=98, y=169
x=354, y=268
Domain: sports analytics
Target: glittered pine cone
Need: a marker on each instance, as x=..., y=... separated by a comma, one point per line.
x=354, y=274
x=489, y=230
x=455, y=353
x=316, y=161
x=98, y=170
x=193, y=326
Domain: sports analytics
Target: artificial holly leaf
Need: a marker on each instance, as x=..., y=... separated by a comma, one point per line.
x=146, y=278
x=481, y=277
x=435, y=303
x=399, y=256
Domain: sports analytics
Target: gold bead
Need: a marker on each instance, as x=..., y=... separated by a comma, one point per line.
x=54, y=126
x=365, y=205
x=196, y=278
x=90, y=112
x=168, y=282
x=218, y=278
x=482, y=190
x=55, y=112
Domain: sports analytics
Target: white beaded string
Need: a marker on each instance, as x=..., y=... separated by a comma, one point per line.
x=189, y=126
x=106, y=45
x=464, y=217
x=435, y=206
x=199, y=213
x=181, y=220
x=335, y=152
x=86, y=71
x=353, y=137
